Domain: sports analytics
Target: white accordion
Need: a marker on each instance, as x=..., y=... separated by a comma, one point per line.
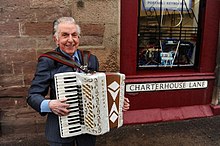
x=96, y=102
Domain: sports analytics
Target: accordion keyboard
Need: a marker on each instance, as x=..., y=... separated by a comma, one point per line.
x=69, y=88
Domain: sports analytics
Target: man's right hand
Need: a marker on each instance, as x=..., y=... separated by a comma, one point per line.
x=59, y=107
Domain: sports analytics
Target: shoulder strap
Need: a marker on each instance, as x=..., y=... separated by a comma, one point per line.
x=61, y=58
x=85, y=58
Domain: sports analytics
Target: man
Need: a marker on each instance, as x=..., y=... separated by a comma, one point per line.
x=66, y=36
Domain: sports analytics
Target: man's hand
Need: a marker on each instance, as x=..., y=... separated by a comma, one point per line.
x=126, y=104
x=59, y=107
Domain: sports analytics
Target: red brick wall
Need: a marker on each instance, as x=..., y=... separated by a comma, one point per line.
x=25, y=32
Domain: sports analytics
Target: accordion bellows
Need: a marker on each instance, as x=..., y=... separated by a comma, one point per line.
x=96, y=102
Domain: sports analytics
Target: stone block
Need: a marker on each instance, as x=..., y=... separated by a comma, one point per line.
x=99, y=11
x=49, y=3
x=92, y=29
x=111, y=63
x=26, y=43
x=91, y=40
x=22, y=55
x=30, y=67
x=46, y=43
x=6, y=68
x=16, y=92
x=17, y=14
x=25, y=67
x=51, y=13
x=21, y=120
x=37, y=28
x=17, y=3
x=29, y=77
x=9, y=29
x=8, y=80
x=112, y=36
x=6, y=45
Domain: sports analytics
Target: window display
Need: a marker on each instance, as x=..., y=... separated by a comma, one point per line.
x=167, y=33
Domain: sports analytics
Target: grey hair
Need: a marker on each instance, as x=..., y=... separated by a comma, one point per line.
x=68, y=20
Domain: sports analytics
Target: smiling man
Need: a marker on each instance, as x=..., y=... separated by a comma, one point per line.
x=66, y=35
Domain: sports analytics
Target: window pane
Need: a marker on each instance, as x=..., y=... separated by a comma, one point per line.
x=167, y=33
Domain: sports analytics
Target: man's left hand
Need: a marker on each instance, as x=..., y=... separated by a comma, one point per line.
x=126, y=104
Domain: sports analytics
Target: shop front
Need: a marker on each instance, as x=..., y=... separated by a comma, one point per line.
x=168, y=54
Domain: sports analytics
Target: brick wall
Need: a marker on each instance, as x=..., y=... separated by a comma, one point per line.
x=25, y=32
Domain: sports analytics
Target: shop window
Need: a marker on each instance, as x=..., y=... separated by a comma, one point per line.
x=168, y=33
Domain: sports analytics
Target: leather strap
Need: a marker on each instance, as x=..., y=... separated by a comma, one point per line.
x=85, y=56
x=62, y=59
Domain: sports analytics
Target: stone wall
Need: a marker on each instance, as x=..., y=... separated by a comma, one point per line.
x=25, y=33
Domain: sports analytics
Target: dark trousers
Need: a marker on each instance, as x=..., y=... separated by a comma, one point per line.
x=81, y=140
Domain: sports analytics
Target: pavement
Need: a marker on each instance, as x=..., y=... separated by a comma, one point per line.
x=193, y=132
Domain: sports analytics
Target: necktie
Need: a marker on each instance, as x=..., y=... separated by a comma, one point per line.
x=76, y=60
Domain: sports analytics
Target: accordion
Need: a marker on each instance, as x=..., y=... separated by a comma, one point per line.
x=95, y=100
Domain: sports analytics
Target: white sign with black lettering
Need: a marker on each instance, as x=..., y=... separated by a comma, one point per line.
x=166, y=86
x=166, y=4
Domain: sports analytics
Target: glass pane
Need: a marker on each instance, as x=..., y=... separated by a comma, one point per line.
x=167, y=33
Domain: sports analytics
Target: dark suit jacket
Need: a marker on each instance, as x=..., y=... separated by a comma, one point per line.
x=43, y=81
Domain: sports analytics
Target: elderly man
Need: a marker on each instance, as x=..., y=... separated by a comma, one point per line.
x=66, y=36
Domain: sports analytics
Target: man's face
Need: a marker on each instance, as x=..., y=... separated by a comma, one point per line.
x=68, y=38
